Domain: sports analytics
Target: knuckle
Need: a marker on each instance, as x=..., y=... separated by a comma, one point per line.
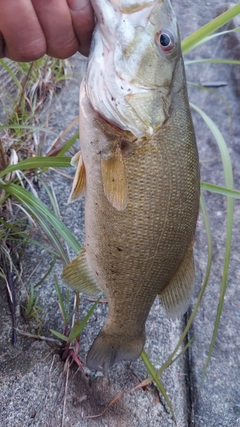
x=63, y=51
x=26, y=52
x=34, y=50
x=30, y=54
x=2, y=46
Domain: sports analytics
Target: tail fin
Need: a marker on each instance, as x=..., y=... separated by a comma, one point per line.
x=108, y=349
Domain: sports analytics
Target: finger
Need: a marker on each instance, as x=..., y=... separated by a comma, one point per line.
x=22, y=33
x=1, y=46
x=83, y=23
x=55, y=19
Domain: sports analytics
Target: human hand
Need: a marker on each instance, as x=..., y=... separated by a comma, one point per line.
x=31, y=28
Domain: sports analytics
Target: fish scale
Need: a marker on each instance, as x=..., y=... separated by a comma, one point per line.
x=141, y=201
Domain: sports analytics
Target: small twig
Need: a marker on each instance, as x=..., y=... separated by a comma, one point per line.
x=213, y=84
x=68, y=363
x=102, y=300
x=35, y=269
x=143, y=384
x=38, y=337
x=24, y=84
x=47, y=273
x=65, y=175
x=56, y=147
x=3, y=157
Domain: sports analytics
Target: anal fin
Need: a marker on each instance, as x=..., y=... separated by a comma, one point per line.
x=176, y=296
x=79, y=182
x=114, y=179
x=78, y=275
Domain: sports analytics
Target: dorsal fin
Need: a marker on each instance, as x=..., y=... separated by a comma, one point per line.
x=114, y=179
x=79, y=182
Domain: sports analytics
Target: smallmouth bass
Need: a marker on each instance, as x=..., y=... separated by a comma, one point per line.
x=139, y=171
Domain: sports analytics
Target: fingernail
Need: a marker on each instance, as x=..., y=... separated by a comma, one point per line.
x=78, y=4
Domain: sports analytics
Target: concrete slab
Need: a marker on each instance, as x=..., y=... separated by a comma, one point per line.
x=217, y=403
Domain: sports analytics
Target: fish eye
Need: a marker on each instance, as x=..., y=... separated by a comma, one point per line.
x=165, y=40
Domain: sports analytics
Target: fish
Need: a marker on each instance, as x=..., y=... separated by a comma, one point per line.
x=138, y=170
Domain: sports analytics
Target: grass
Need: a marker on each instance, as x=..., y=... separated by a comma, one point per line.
x=31, y=310
x=29, y=89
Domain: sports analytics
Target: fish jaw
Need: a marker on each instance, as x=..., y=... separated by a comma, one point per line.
x=129, y=78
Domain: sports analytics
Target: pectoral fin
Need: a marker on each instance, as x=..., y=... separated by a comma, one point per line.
x=114, y=179
x=75, y=159
x=177, y=294
x=78, y=275
x=79, y=182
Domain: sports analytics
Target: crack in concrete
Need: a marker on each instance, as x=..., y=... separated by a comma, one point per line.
x=189, y=374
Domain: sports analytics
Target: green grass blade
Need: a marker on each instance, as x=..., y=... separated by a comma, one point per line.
x=220, y=190
x=38, y=162
x=13, y=227
x=60, y=299
x=24, y=238
x=75, y=332
x=212, y=61
x=29, y=201
x=68, y=144
x=29, y=240
x=213, y=36
x=170, y=360
x=221, y=145
x=156, y=379
x=215, y=94
x=47, y=273
x=191, y=41
x=68, y=300
x=30, y=127
x=228, y=174
x=11, y=73
x=51, y=235
x=59, y=335
x=51, y=198
x=183, y=351
x=53, y=238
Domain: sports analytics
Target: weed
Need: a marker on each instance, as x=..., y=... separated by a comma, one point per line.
x=31, y=310
x=73, y=326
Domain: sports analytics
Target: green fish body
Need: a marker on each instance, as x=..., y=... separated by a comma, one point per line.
x=139, y=171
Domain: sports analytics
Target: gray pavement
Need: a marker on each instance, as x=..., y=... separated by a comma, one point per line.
x=32, y=377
